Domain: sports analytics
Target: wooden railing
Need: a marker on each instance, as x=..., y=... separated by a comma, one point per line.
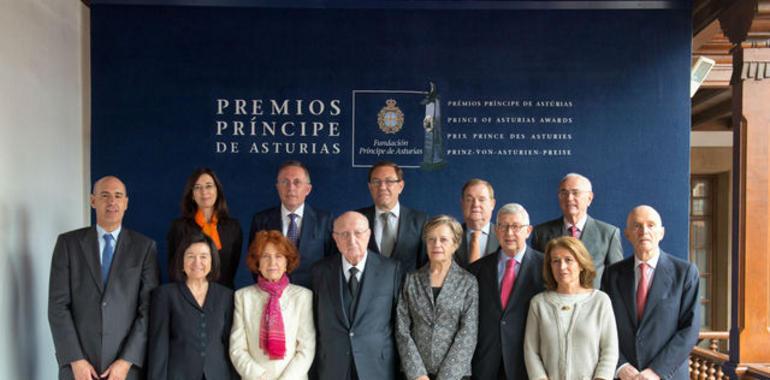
x=706, y=363
x=756, y=372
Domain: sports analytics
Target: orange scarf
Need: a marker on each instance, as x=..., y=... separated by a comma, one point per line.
x=210, y=229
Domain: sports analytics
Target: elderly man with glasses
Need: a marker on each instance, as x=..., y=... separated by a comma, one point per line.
x=601, y=239
x=308, y=228
x=354, y=302
x=508, y=279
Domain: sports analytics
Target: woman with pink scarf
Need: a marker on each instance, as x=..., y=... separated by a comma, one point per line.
x=273, y=336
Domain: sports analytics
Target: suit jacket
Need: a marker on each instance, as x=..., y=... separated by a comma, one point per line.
x=368, y=341
x=186, y=340
x=230, y=235
x=89, y=321
x=669, y=327
x=438, y=336
x=461, y=256
x=315, y=238
x=409, y=249
x=299, y=332
x=501, y=332
x=601, y=239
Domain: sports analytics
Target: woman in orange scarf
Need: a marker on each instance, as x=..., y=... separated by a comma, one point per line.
x=204, y=209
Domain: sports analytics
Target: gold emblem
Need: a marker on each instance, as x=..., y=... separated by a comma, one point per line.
x=390, y=119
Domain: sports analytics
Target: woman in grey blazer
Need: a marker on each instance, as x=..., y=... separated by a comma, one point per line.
x=437, y=319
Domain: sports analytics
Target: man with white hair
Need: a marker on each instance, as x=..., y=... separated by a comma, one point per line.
x=508, y=279
x=601, y=239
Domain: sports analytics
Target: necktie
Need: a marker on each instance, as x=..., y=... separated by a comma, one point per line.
x=353, y=281
x=107, y=252
x=388, y=235
x=291, y=232
x=353, y=286
x=641, y=291
x=474, y=249
x=507, y=284
x=575, y=232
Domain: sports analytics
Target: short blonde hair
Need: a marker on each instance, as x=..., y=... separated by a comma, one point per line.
x=579, y=251
x=444, y=220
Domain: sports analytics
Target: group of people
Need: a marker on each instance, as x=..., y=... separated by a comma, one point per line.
x=383, y=292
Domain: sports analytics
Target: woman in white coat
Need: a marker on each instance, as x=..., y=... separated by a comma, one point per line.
x=273, y=336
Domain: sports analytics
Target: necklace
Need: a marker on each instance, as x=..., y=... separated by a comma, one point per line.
x=565, y=301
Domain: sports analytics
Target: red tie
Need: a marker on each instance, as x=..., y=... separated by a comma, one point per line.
x=575, y=232
x=508, y=278
x=641, y=291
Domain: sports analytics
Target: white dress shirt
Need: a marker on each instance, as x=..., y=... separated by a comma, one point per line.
x=396, y=210
x=346, y=265
x=285, y=220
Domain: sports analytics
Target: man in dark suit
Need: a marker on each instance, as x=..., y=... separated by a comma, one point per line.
x=308, y=228
x=655, y=299
x=397, y=229
x=508, y=280
x=479, y=238
x=601, y=239
x=355, y=304
x=99, y=295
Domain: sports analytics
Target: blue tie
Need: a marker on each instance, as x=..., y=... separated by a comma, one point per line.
x=107, y=252
x=291, y=232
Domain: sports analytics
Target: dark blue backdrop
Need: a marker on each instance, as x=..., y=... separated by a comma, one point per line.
x=159, y=74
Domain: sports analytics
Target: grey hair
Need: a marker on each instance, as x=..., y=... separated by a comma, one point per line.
x=577, y=175
x=513, y=208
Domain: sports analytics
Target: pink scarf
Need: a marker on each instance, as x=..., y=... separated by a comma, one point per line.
x=272, y=339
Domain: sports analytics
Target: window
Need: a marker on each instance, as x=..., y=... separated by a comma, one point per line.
x=702, y=237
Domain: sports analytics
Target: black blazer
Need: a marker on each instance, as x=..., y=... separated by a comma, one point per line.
x=315, y=238
x=501, y=332
x=230, y=235
x=669, y=327
x=369, y=340
x=601, y=239
x=186, y=340
x=89, y=321
x=409, y=249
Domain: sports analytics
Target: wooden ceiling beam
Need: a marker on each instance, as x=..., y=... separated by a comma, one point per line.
x=709, y=98
x=718, y=111
x=706, y=35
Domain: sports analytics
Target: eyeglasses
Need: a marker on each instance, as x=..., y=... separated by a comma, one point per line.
x=348, y=234
x=575, y=193
x=296, y=182
x=208, y=186
x=388, y=182
x=512, y=227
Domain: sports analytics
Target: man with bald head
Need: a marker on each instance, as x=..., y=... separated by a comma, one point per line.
x=99, y=295
x=601, y=239
x=354, y=299
x=655, y=299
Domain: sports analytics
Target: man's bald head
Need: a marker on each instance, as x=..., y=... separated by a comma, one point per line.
x=644, y=230
x=109, y=199
x=351, y=234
